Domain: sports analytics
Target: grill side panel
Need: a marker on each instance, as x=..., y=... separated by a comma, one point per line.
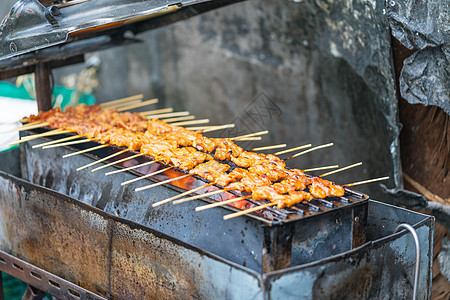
x=206, y=229
x=109, y=256
x=382, y=269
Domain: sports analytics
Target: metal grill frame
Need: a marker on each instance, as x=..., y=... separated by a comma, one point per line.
x=133, y=256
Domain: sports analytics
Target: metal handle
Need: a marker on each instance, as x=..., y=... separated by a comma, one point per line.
x=416, y=241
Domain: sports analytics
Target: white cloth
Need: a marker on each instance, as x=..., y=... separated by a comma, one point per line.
x=11, y=112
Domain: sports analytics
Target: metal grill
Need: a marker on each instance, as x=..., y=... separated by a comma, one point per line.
x=269, y=216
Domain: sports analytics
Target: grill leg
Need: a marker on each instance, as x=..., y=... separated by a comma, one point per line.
x=33, y=294
x=43, y=87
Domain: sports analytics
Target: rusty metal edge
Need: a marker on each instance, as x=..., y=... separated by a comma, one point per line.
x=28, y=186
x=429, y=220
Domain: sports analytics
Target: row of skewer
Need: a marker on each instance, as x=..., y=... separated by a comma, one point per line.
x=130, y=123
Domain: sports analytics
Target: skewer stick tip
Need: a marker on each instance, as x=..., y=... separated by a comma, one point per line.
x=310, y=150
x=161, y=183
x=366, y=181
x=247, y=211
x=341, y=169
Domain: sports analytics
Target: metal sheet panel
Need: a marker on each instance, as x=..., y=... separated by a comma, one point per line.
x=147, y=266
x=127, y=260
x=244, y=235
x=51, y=232
x=318, y=238
x=108, y=255
x=383, y=269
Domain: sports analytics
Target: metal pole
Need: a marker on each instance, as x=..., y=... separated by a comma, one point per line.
x=43, y=87
x=2, y=296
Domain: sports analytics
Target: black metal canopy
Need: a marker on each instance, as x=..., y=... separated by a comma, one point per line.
x=33, y=32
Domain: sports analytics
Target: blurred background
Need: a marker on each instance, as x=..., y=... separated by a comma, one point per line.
x=308, y=73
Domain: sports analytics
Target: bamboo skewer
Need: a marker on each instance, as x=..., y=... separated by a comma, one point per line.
x=321, y=168
x=200, y=196
x=211, y=128
x=253, y=138
x=102, y=160
x=31, y=127
x=68, y=143
x=292, y=149
x=137, y=105
x=249, y=135
x=247, y=211
x=157, y=111
x=182, y=194
x=219, y=127
x=85, y=150
x=145, y=176
x=26, y=125
x=221, y=203
x=58, y=141
x=169, y=115
x=32, y=137
x=341, y=169
x=161, y=183
x=193, y=122
x=131, y=168
x=122, y=100
x=32, y=123
x=121, y=105
x=117, y=162
x=179, y=119
x=23, y=127
x=47, y=133
x=269, y=147
x=310, y=150
x=366, y=181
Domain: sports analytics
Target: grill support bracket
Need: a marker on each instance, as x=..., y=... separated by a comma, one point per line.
x=40, y=280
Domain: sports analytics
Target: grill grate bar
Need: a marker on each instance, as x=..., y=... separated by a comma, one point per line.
x=271, y=213
x=297, y=210
x=311, y=206
x=345, y=200
x=326, y=203
x=271, y=209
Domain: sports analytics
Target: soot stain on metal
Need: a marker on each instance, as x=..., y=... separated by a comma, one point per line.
x=104, y=197
x=146, y=256
x=49, y=179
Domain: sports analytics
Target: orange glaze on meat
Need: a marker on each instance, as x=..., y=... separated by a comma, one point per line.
x=154, y=146
x=185, y=158
x=250, y=182
x=162, y=142
x=292, y=183
x=270, y=169
x=266, y=193
x=124, y=138
x=226, y=149
x=248, y=159
x=321, y=188
x=235, y=175
x=210, y=170
x=293, y=198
